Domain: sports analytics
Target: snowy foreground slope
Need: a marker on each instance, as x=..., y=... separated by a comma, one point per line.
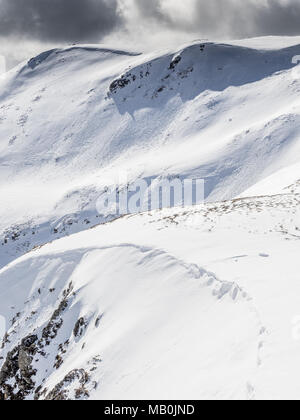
x=197, y=302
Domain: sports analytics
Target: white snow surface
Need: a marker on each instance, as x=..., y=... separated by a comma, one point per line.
x=184, y=303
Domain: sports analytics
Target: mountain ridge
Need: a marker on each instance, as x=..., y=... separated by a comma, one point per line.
x=196, y=302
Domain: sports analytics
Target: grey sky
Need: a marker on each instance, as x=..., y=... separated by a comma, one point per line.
x=59, y=20
x=237, y=18
x=30, y=25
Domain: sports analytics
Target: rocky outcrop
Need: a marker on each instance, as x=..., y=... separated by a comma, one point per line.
x=75, y=381
x=17, y=370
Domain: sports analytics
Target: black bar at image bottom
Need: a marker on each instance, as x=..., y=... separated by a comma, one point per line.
x=135, y=409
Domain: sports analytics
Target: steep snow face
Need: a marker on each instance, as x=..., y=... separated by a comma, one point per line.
x=71, y=120
x=198, y=303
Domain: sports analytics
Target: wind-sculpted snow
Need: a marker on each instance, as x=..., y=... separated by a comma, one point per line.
x=194, y=299
x=188, y=303
x=36, y=61
x=117, y=319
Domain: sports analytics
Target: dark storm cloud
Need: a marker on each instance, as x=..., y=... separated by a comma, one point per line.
x=89, y=20
x=249, y=17
x=242, y=18
x=59, y=20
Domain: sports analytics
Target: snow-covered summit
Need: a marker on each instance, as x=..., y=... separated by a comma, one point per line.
x=72, y=118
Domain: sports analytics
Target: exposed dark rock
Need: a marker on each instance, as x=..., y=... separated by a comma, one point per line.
x=98, y=320
x=56, y=321
x=79, y=327
x=18, y=367
x=17, y=372
x=5, y=340
x=184, y=74
x=62, y=350
x=119, y=83
x=61, y=391
x=175, y=62
x=15, y=318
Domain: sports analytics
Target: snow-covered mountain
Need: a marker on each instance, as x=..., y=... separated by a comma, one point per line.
x=199, y=302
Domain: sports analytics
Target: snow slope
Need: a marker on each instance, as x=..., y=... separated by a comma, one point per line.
x=199, y=303
x=72, y=120
x=194, y=303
